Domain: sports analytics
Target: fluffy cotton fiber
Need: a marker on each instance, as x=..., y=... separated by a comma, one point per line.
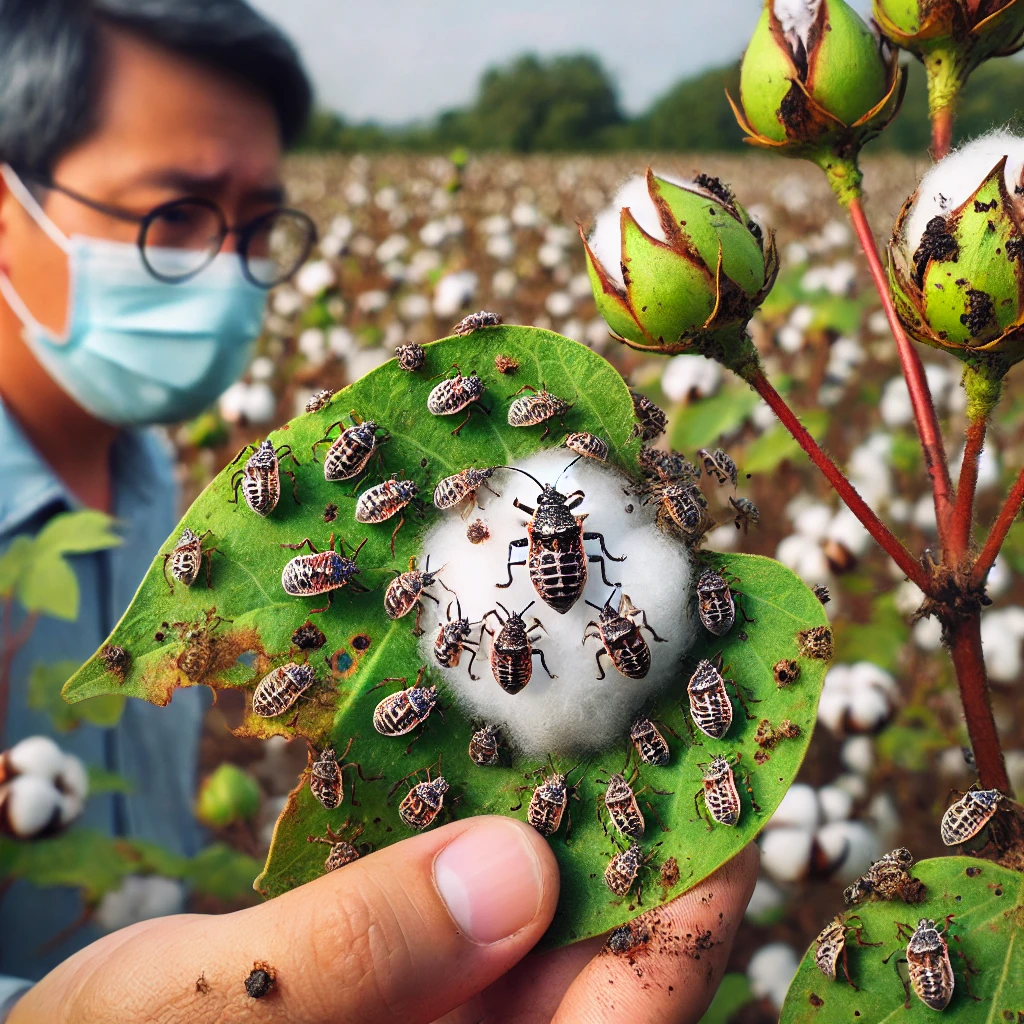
x=576, y=712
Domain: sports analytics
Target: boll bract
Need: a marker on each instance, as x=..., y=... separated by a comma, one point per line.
x=816, y=82
x=691, y=280
x=955, y=260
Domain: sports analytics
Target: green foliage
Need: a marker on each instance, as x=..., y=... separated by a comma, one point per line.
x=35, y=571
x=44, y=687
x=733, y=994
x=986, y=903
x=260, y=618
x=228, y=794
x=708, y=420
x=765, y=453
x=882, y=638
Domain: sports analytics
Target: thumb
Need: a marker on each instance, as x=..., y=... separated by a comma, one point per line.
x=405, y=934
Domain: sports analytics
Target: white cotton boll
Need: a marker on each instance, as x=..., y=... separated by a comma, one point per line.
x=342, y=227
x=161, y=897
x=34, y=755
x=940, y=382
x=855, y=786
x=923, y=516
x=867, y=673
x=559, y=304
x=686, y=375
x=454, y=225
x=28, y=805
x=574, y=713
x=454, y=292
x=597, y=333
x=846, y=529
x=72, y=778
x=861, y=844
x=139, y=899
x=363, y=360
x=858, y=755
x=262, y=368
x=790, y=339
x=894, y=406
x=287, y=301
x=802, y=317
x=496, y=224
x=999, y=579
x=433, y=233
x=363, y=246
x=260, y=404
x=835, y=234
x=795, y=254
x=1012, y=617
x=878, y=323
x=836, y=803
x=561, y=235
x=1001, y=648
x=70, y=808
x=951, y=182
x=356, y=194
x=340, y=341
x=551, y=256
x=799, y=809
x=372, y=301
x=575, y=329
x=767, y=903
x=772, y=967
x=312, y=344
x=525, y=215
x=813, y=521
x=763, y=417
x=391, y=248
x=414, y=307
x=848, y=351
x=797, y=17
x=422, y=264
x=394, y=335
x=1015, y=769
x=723, y=538
x=394, y=271
x=908, y=597
x=868, y=710
x=504, y=282
x=804, y=556
x=900, y=511
x=832, y=709
x=786, y=853
x=314, y=278
x=579, y=286
x=885, y=818
x=501, y=247
x=387, y=198
x=950, y=764
x=927, y=634
x=841, y=278
x=232, y=402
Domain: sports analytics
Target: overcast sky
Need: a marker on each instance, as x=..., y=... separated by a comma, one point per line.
x=401, y=60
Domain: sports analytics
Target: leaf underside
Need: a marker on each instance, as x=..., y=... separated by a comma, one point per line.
x=986, y=935
x=261, y=618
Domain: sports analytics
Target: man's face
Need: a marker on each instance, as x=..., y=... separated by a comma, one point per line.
x=165, y=128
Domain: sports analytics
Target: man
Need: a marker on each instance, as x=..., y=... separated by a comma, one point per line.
x=140, y=149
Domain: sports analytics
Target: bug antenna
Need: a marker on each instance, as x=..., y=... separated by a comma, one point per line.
x=516, y=469
x=597, y=607
x=528, y=607
x=566, y=470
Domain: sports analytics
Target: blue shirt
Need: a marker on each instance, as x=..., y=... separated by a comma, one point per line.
x=154, y=748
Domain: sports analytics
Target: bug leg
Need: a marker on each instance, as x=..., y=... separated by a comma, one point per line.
x=330, y=598
x=247, y=448
x=472, y=658
x=597, y=658
x=516, y=503
x=295, y=487
x=519, y=792
x=547, y=430
x=522, y=542
x=394, y=534
x=458, y=429
x=905, y=982
x=696, y=806
x=544, y=663
x=599, y=537
x=651, y=808
x=604, y=576
x=743, y=702
x=753, y=803
x=650, y=628
x=236, y=482
x=208, y=555
x=302, y=543
x=416, y=630
x=167, y=578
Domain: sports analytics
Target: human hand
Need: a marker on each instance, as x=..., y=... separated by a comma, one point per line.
x=426, y=930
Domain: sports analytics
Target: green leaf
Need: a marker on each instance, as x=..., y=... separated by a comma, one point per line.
x=44, y=694
x=885, y=636
x=14, y=562
x=77, y=533
x=223, y=873
x=259, y=619
x=103, y=781
x=765, y=453
x=732, y=995
x=50, y=586
x=987, y=904
x=703, y=423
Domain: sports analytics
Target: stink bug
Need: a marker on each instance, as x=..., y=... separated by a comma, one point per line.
x=625, y=812
x=405, y=591
x=621, y=638
x=279, y=689
x=830, y=946
x=327, y=777
x=260, y=477
x=629, y=937
x=485, y=746
x=475, y=321
x=747, y=513
x=452, y=637
x=350, y=451
x=548, y=801
x=411, y=357
x=623, y=869
x=721, y=797
x=589, y=445
x=422, y=804
x=682, y=509
x=461, y=488
x=816, y=643
x=709, y=700
x=651, y=421
x=888, y=878
x=385, y=500
x=512, y=650
x=454, y=394
x=969, y=815
x=539, y=407
x=199, y=645
x=720, y=465
x=343, y=851
x=319, y=400
x=187, y=558
x=651, y=746
x=931, y=973
x=320, y=572
x=116, y=660
x=402, y=711
x=556, y=560
x=666, y=467
x=715, y=603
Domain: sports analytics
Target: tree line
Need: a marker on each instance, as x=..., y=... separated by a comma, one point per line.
x=571, y=104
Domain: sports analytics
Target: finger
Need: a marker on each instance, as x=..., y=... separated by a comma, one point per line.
x=405, y=935
x=673, y=979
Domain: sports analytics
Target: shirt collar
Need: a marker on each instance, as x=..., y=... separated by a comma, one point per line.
x=28, y=484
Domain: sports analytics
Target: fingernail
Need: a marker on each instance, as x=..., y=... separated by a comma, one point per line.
x=490, y=881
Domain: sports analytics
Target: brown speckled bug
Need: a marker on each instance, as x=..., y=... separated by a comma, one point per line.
x=682, y=509
x=475, y=321
x=715, y=603
x=186, y=559
x=452, y=637
x=969, y=815
x=280, y=688
x=888, y=878
x=400, y=712
x=199, y=645
x=709, y=700
x=320, y=572
x=385, y=500
x=651, y=420
x=588, y=445
x=651, y=746
x=406, y=590
x=422, y=804
x=343, y=851
x=747, y=513
x=721, y=798
x=411, y=357
x=816, y=643
x=454, y=394
x=931, y=973
x=556, y=559
x=621, y=638
x=830, y=946
x=116, y=660
x=485, y=746
x=351, y=450
x=318, y=400
x=666, y=467
x=623, y=870
x=512, y=650
x=461, y=488
x=719, y=464
x=327, y=777
x=260, y=477
x=534, y=409
x=620, y=800
x=549, y=800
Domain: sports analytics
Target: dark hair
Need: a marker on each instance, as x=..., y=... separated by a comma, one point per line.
x=51, y=51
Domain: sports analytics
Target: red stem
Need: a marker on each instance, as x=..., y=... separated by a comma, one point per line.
x=917, y=383
x=942, y=132
x=963, y=511
x=964, y=636
x=881, y=533
x=10, y=644
x=1000, y=528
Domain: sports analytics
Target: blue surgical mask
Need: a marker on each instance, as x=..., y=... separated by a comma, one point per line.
x=136, y=350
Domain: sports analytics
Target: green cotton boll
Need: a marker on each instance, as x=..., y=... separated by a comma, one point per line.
x=765, y=79
x=905, y=15
x=610, y=304
x=846, y=73
x=709, y=227
x=227, y=795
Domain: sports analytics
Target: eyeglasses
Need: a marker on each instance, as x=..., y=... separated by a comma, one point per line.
x=180, y=238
